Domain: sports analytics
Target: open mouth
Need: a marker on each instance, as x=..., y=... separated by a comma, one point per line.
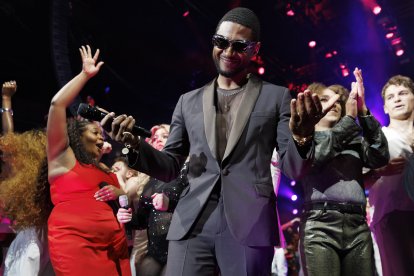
x=100, y=145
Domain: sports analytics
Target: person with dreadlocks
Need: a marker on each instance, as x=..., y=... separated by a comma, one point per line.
x=226, y=217
x=84, y=235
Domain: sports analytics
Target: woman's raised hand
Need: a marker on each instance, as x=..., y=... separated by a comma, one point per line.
x=89, y=67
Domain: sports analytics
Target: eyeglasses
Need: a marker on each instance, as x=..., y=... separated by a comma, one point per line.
x=239, y=46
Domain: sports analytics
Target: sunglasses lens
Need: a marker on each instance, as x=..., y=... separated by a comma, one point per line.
x=239, y=46
x=220, y=42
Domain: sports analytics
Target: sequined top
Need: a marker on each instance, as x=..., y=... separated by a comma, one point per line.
x=158, y=222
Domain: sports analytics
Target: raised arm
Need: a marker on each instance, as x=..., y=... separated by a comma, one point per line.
x=57, y=135
x=7, y=92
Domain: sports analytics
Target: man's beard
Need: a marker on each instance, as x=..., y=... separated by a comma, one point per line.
x=227, y=74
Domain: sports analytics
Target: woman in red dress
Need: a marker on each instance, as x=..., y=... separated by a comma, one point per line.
x=84, y=235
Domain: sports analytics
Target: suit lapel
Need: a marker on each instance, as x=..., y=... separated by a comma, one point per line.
x=253, y=88
x=209, y=111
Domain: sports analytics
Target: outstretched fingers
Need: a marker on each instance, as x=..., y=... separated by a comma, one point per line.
x=330, y=104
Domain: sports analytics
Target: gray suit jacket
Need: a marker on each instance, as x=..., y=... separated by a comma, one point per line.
x=249, y=201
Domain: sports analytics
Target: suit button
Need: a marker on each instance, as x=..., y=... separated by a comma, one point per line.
x=225, y=172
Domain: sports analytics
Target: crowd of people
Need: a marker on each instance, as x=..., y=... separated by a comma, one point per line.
x=203, y=190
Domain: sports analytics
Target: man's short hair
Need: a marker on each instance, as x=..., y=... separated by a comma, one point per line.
x=245, y=17
x=398, y=80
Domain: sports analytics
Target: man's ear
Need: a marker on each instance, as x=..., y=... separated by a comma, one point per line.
x=256, y=48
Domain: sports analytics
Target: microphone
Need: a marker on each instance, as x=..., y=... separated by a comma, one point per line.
x=94, y=114
x=123, y=202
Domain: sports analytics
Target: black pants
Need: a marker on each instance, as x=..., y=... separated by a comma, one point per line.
x=335, y=244
x=395, y=237
x=211, y=248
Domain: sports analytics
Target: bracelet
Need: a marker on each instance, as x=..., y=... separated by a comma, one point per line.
x=303, y=140
x=5, y=109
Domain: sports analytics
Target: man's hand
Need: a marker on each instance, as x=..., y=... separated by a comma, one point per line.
x=306, y=111
x=119, y=128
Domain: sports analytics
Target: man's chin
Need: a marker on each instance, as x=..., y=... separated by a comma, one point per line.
x=228, y=74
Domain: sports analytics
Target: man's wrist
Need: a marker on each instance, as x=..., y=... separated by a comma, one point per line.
x=302, y=140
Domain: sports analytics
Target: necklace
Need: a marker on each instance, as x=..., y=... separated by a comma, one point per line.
x=228, y=94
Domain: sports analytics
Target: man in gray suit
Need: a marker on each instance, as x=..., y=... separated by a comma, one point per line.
x=226, y=218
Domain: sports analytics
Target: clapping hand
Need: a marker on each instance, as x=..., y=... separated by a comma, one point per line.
x=306, y=111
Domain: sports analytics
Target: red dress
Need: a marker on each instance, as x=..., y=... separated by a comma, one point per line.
x=84, y=235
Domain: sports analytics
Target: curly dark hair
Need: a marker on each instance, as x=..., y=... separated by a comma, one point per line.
x=75, y=130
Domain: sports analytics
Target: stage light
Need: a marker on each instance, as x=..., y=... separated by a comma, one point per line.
x=312, y=43
x=292, y=183
x=107, y=89
x=376, y=9
x=294, y=197
x=334, y=52
x=328, y=55
x=399, y=52
x=261, y=70
x=389, y=35
x=396, y=41
x=289, y=10
x=186, y=13
x=295, y=211
x=344, y=70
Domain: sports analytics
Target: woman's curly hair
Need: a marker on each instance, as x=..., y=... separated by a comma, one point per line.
x=24, y=192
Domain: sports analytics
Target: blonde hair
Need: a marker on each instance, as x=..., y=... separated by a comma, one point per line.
x=316, y=87
x=154, y=129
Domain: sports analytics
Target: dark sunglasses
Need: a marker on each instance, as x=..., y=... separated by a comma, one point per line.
x=239, y=46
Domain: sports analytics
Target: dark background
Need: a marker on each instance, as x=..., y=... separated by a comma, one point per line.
x=153, y=53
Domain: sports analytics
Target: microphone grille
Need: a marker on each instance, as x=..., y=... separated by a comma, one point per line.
x=123, y=200
x=83, y=109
